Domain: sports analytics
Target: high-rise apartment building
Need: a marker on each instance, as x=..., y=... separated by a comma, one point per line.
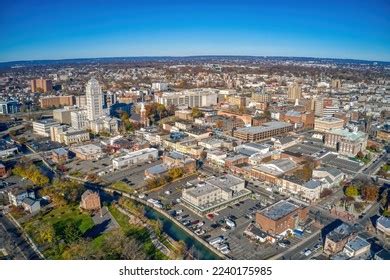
x=94, y=100
x=56, y=101
x=41, y=85
x=294, y=92
x=336, y=83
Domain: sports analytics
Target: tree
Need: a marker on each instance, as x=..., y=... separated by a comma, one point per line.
x=370, y=193
x=196, y=113
x=160, y=110
x=81, y=250
x=305, y=173
x=351, y=191
x=219, y=124
x=118, y=246
x=46, y=233
x=175, y=172
x=71, y=232
x=326, y=192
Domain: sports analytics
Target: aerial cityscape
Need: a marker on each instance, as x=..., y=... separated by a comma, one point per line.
x=193, y=154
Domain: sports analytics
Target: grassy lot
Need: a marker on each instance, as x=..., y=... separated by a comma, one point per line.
x=140, y=233
x=122, y=187
x=62, y=214
x=57, y=218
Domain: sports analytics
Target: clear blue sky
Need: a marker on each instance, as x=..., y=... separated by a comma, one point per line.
x=74, y=29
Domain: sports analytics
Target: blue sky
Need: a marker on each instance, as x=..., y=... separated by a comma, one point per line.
x=84, y=28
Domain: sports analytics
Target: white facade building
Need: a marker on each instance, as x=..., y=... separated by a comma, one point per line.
x=79, y=119
x=159, y=86
x=94, y=100
x=42, y=127
x=192, y=98
x=136, y=157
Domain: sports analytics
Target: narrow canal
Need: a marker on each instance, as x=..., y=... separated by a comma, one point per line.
x=197, y=249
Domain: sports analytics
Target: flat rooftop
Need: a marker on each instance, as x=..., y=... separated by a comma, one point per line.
x=279, y=210
x=357, y=243
x=225, y=181
x=201, y=190
x=264, y=127
x=341, y=232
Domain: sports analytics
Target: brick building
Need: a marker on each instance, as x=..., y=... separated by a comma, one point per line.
x=41, y=84
x=281, y=217
x=90, y=201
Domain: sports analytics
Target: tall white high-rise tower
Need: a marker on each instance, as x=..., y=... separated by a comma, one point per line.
x=94, y=100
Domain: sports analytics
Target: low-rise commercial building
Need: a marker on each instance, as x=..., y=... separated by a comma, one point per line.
x=132, y=158
x=383, y=227
x=59, y=155
x=88, y=152
x=177, y=159
x=214, y=193
x=271, y=171
x=281, y=217
x=337, y=239
x=356, y=247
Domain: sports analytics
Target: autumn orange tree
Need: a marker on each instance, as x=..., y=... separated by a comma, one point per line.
x=370, y=193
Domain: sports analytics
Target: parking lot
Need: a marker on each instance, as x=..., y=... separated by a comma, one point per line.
x=134, y=176
x=88, y=166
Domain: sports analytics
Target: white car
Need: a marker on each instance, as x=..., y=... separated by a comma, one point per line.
x=307, y=252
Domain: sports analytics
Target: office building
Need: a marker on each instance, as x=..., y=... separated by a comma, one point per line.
x=105, y=124
x=78, y=119
x=64, y=115
x=383, y=227
x=327, y=123
x=94, y=100
x=42, y=127
x=9, y=107
x=81, y=101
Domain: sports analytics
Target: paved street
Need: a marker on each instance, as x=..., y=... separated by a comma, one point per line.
x=13, y=241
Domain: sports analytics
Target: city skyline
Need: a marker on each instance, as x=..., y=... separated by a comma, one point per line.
x=90, y=30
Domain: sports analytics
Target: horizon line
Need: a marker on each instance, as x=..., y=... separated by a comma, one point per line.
x=190, y=56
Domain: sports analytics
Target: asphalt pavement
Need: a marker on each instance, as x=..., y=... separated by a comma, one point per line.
x=14, y=242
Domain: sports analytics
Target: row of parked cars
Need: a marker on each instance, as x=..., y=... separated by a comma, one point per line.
x=220, y=244
x=195, y=225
